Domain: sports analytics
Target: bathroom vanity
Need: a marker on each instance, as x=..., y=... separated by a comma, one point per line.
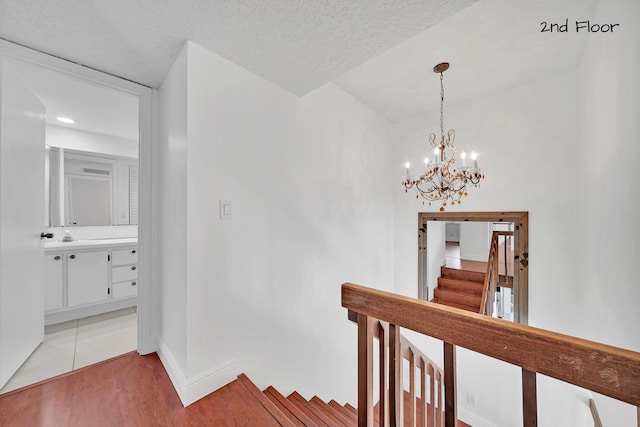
x=88, y=277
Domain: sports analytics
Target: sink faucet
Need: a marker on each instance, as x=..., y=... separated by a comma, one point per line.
x=67, y=236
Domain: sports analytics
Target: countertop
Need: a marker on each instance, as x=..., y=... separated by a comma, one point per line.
x=89, y=244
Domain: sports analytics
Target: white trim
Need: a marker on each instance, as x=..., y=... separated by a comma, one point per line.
x=67, y=314
x=147, y=114
x=193, y=389
x=473, y=419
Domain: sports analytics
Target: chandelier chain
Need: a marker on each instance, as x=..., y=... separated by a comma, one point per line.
x=441, y=108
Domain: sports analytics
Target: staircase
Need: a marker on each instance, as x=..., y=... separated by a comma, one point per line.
x=296, y=411
x=460, y=289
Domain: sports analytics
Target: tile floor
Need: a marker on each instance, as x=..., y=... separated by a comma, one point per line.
x=78, y=343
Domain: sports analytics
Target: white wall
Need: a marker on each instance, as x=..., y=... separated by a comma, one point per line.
x=474, y=241
x=436, y=254
x=311, y=191
x=527, y=137
x=172, y=206
x=609, y=197
x=57, y=136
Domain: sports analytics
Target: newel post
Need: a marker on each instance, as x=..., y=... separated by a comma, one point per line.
x=365, y=371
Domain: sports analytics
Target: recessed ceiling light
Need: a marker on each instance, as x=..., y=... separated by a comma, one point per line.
x=65, y=120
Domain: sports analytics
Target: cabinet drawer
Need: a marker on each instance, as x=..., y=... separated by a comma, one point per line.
x=124, y=289
x=124, y=273
x=124, y=256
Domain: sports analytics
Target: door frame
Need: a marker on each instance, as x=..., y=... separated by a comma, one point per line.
x=520, y=221
x=147, y=340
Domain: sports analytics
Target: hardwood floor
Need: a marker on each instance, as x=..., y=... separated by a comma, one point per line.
x=130, y=390
x=453, y=260
x=133, y=390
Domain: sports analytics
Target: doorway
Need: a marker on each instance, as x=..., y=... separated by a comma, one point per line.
x=136, y=316
x=433, y=252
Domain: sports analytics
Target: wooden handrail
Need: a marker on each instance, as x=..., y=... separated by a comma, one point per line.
x=607, y=370
x=492, y=275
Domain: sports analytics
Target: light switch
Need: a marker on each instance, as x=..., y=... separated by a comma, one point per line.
x=225, y=209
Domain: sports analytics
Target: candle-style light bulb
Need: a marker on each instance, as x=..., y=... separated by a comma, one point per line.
x=474, y=157
x=407, y=164
x=463, y=156
x=426, y=160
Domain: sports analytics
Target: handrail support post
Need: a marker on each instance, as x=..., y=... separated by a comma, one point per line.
x=365, y=371
x=450, y=399
x=529, y=399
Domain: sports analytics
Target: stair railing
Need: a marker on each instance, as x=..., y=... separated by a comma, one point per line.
x=393, y=348
x=611, y=371
x=492, y=276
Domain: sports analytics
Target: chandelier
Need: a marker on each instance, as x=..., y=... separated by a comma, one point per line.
x=442, y=181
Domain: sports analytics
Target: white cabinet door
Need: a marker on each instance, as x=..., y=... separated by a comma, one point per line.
x=87, y=277
x=52, y=282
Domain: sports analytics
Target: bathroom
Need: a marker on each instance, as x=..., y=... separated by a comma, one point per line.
x=90, y=235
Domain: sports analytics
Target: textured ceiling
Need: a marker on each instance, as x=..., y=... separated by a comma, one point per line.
x=297, y=44
x=491, y=45
x=381, y=51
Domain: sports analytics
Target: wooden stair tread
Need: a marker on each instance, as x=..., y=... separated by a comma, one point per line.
x=454, y=273
x=456, y=285
x=289, y=409
x=330, y=414
x=350, y=415
x=456, y=305
x=308, y=410
x=463, y=298
x=281, y=418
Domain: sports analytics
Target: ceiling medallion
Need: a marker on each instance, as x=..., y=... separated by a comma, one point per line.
x=442, y=181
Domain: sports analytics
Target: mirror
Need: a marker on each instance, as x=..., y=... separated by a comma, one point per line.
x=463, y=241
x=90, y=189
x=91, y=140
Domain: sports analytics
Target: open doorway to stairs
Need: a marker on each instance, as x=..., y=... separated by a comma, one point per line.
x=461, y=269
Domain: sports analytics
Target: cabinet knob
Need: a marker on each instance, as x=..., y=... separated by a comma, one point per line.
x=133, y=252
x=133, y=283
x=72, y=256
x=57, y=257
x=133, y=267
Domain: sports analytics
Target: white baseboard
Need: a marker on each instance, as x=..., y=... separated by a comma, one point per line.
x=66, y=314
x=472, y=419
x=475, y=257
x=192, y=389
x=148, y=344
